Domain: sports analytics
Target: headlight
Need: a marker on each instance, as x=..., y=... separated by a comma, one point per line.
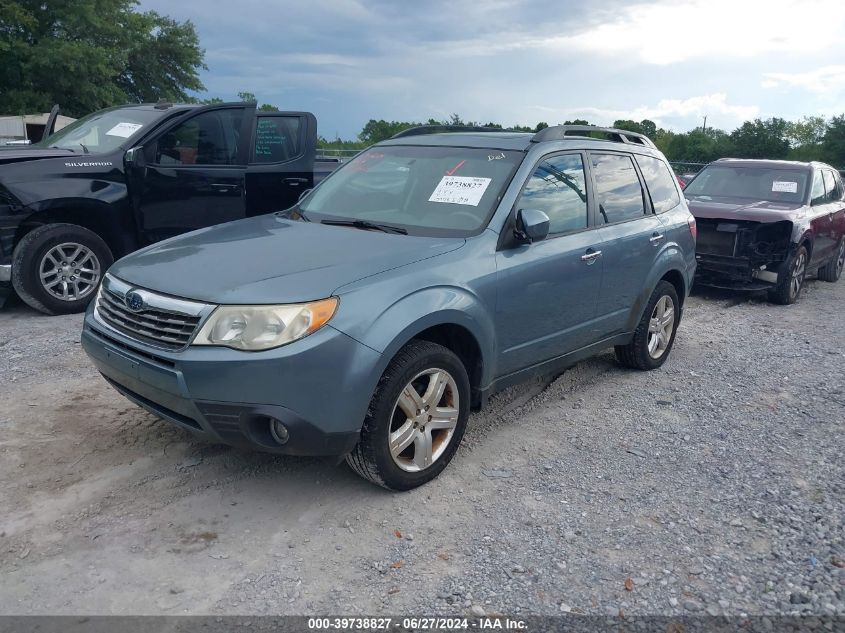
x=254, y=328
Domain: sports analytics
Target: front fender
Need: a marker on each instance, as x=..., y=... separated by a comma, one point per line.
x=405, y=318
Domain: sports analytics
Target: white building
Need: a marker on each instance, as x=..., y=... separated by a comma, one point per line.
x=28, y=126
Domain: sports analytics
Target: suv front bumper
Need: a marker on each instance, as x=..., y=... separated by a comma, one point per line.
x=319, y=388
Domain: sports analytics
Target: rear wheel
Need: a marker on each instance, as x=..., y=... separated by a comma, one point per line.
x=655, y=334
x=56, y=268
x=416, y=418
x=832, y=271
x=791, y=279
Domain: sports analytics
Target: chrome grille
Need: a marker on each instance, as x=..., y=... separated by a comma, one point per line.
x=163, y=321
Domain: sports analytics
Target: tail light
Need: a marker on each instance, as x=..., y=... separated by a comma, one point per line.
x=693, y=229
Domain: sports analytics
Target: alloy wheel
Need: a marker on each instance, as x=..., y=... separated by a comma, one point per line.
x=660, y=327
x=424, y=419
x=797, y=274
x=69, y=271
x=840, y=262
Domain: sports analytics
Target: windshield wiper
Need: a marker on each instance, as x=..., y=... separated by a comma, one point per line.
x=367, y=226
x=84, y=149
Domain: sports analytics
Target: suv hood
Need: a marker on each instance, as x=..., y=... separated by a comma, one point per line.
x=269, y=259
x=15, y=154
x=741, y=209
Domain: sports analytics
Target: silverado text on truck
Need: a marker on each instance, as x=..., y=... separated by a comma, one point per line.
x=125, y=177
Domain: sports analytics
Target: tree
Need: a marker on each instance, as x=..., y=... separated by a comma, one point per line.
x=646, y=127
x=833, y=145
x=381, y=130
x=249, y=97
x=761, y=139
x=89, y=54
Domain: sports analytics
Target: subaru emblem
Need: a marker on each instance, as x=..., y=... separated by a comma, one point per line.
x=134, y=301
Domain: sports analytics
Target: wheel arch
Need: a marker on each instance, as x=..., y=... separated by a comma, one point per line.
x=451, y=316
x=113, y=227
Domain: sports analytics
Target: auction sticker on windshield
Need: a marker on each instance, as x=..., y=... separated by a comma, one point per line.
x=124, y=130
x=460, y=190
x=785, y=186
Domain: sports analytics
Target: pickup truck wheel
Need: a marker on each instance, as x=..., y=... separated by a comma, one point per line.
x=57, y=268
x=791, y=279
x=416, y=418
x=655, y=334
x=832, y=271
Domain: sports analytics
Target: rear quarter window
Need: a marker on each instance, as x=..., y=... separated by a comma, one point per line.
x=660, y=183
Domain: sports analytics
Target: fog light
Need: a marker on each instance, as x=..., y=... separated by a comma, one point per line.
x=278, y=432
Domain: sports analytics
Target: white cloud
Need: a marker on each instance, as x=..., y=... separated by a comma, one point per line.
x=824, y=80
x=668, y=112
x=668, y=32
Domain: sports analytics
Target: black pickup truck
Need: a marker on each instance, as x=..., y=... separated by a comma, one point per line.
x=125, y=177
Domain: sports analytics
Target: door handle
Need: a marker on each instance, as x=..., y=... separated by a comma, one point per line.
x=655, y=238
x=295, y=182
x=224, y=186
x=590, y=256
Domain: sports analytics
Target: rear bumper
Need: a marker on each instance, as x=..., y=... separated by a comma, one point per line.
x=318, y=388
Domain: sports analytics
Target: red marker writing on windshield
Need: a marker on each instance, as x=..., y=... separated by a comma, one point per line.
x=451, y=172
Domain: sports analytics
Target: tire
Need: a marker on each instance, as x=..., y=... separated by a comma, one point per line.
x=649, y=349
x=791, y=279
x=832, y=271
x=37, y=257
x=411, y=368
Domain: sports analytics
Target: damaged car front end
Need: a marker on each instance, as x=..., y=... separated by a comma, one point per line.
x=762, y=225
x=742, y=254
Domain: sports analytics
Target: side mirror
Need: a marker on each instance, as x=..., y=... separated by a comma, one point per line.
x=532, y=225
x=134, y=157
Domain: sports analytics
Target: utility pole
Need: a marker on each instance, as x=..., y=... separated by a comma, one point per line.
x=704, y=127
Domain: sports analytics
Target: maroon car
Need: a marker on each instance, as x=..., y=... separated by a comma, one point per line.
x=765, y=224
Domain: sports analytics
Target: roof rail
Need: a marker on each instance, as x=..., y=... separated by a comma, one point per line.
x=560, y=132
x=438, y=129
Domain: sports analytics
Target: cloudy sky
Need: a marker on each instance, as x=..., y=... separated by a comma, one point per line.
x=524, y=61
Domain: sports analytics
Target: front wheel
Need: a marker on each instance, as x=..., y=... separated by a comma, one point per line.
x=416, y=418
x=56, y=268
x=791, y=279
x=655, y=334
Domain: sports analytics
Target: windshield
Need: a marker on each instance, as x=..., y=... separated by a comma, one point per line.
x=102, y=131
x=436, y=191
x=752, y=183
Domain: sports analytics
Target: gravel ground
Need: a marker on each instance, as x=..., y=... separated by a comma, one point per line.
x=715, y=485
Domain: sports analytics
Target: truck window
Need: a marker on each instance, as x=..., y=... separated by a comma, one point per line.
x=210, y=138
x=277, y=139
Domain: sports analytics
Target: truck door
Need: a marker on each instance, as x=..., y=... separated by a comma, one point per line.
x=194, y=174
x=281, y=160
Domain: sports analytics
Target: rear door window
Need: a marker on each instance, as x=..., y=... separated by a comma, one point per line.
x=277, y=139
x=618, y=189
x=660, y=182
x=558, y=188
